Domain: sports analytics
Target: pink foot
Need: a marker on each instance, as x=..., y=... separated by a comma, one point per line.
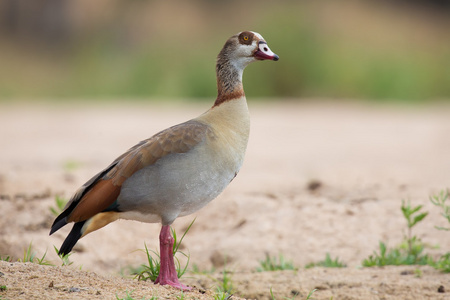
x=177, y=285
x=167, y=272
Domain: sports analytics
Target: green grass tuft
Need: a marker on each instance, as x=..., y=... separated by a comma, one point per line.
x=181, y=296
x=310, y=294
x=440, y=201
x=221, y=295
x=398, y=256
x=6, y=258
x=176, y=246
x=443, y=263
x=327, y=263
x=64, y=258
x=150, y=271
x=413, y=217
x=410, y=251
x=30, y=256
x=224, y=288
x=227, y=283
x=274, y=264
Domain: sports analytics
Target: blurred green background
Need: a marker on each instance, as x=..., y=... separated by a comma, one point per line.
x=104, y=49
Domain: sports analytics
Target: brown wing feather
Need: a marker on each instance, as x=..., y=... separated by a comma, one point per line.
x=97, y=199
x=103, y=189
x=177, y=139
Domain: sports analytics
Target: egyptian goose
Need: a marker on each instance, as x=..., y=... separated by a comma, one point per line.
x=178, y=170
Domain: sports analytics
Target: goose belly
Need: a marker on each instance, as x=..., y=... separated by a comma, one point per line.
x=178, y=184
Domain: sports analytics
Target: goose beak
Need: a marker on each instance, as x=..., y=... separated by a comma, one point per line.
x=263, y=52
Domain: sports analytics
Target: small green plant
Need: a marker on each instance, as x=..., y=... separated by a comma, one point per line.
x=327, y=263
x=3, y=288
x=440, y=201
x=296, y=294
x=151, y=270
x=64, y=258
x=181, y=296
x=60, y=203
x=310, y=294
x=398, y=256
x=30, y=256
x=176, y=246
x=413, y=217
x=271, y=294
x=410, y=251
x=274, y=264
x=418, y=273
x=221, y=295
x=6, y=258
x=226, y=284
x=127, y=296
x=443, y=263
x=224, y=288
x=42, y=261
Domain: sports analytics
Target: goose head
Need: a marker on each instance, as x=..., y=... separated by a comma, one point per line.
x=244, y=48
x=239, y=51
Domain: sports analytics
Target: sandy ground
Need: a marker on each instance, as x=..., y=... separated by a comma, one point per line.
x=366, y=158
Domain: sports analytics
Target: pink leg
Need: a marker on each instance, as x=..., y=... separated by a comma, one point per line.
x=167, y=272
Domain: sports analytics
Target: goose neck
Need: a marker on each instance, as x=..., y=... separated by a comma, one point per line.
x=229, y=81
